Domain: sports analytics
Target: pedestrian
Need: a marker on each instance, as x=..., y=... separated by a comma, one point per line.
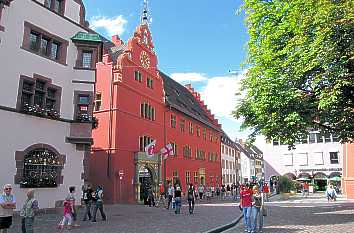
x=223, y=191
x=257, y=207
x=98, y=204
x=71, y=198
x=331, y=193
x=7, y=206
x=170, y=192
x=201, y=191
x=305, y=189
x=28, y=211
x=191, y=198
x=228, y=190
x=151, y=198
x=87, y=197
x=67, y=218
x=162, y=195
x=178, y=199
x=266, y=191
x=246, y=205
x=218, y=191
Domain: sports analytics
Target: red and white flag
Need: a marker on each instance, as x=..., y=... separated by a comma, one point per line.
x=167, y=151
x=150, y=149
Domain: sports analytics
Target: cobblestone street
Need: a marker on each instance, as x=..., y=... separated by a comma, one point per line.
x=313, y=215
x=139, y=218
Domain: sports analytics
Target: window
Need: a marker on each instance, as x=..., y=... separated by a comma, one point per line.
x=334, y=157
x=42, y=169
x=175, y=177
x=319, y=138
x=174, y=148
x=138, y=77
x=182, y=125
x=200, y=154
x=147, y=111
x=173, y=121
x=312, y=138
x=188, y=178
x=149, y=83
x=39, y=97
x=83, y=104
x=198, y=131
x=190, y=127
x=144, y=141
x=327, y=137
x=210, y=136
x=195, y=177
x=56, y=6
x=287, y=159
x=187, y=151
x=335, y=138
x=87, y=59
x=204, y=134
x=318, y=158
x=44, y=44
x=302, y=159
x=34, y=38
x=222, y=149
x=276, y=142
x=98, y=101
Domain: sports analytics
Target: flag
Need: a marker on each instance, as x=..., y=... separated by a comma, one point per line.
x=150, y=149
x=167, y=151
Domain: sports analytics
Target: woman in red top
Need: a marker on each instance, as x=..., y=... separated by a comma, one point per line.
x=266, y=191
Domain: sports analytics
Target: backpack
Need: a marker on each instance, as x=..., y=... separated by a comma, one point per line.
x=190, y=194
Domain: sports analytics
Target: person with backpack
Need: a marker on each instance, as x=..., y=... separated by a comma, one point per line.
x=191, y=198
x=98, y=204
x=87, y=197
x=28, y=211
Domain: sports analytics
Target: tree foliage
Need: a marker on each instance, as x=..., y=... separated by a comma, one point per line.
x=300, y=55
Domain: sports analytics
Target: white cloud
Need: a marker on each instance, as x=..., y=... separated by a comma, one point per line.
x=112, y=26
x=220, y=95
x=189, y=77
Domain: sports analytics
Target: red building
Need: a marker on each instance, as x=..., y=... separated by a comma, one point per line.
x=136, y=104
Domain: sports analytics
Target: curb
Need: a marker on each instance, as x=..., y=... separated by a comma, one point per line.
x=231, y=224
x=226, y=226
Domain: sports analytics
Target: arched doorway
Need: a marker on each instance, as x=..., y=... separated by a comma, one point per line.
x=320, y=181
x=147, y=183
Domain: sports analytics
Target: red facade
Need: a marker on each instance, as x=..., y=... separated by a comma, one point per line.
x=133, y=108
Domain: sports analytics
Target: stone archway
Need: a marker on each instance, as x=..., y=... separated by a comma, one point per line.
x=147, y=175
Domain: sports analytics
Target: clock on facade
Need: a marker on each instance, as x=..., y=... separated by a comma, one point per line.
x=144, y=59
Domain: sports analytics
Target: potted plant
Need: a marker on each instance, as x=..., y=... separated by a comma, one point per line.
x=285, y=185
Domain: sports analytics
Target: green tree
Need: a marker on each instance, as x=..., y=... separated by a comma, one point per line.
x=300, y=55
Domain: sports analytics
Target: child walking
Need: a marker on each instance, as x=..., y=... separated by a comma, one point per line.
x=67, y=218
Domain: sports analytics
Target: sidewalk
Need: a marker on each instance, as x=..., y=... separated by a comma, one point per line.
x=139, y=218
x=312, y=215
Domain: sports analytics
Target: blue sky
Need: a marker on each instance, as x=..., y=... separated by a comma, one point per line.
x=196, y=41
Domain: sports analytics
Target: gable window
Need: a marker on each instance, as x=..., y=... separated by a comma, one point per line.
x=182, y=125
x=190, y=127
x=173, y=121
x=39, y=97
x=138, y=77
x=149, y=83
x=87, y=59
x=147, y=111
x=44, y=44
x=334, y=157
x=98, y=101
x=144, y=141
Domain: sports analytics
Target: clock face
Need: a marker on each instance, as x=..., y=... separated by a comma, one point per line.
x=144, y=59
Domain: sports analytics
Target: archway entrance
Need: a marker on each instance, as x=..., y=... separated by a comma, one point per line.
x=146, y=183
x=147, y=175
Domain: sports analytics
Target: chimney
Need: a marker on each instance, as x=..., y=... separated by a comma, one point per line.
x=117, y=41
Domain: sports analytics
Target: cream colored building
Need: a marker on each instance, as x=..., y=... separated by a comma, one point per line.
x=230, y=161
x=47, y=63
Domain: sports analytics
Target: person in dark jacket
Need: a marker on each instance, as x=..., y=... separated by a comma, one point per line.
x=191, y=198
x=87, y=197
